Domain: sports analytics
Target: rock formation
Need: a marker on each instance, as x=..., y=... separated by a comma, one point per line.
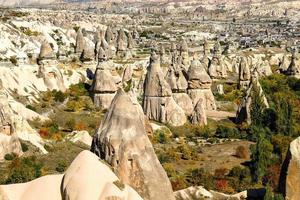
x=9, y=141
x=86, y=178
x=80, y=42
x=243, y=113
x=184, y=53
x=123, y=142
x=158, y=103
x=199, y=85
x=290, y=176
x=294, y=69
x=103, y=88
x=284, y=64
x=46, y=51
x=244, y=74
x=217, y=69
x=109, y=36
x=199, y=114
x=122, y=44
x=178, y=83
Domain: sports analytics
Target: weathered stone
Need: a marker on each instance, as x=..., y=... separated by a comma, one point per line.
x=80, y=42
x=123, y=142
x=199, y=115
x=86, y=178
x=158, y=103
x=46, y=51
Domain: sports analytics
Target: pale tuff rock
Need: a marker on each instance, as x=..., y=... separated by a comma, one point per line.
x=217, y=69
x=102, y=56
x=220, y=89
x=123, y=142
x=121, y=44
x=184, y=53
x=9, y=141
x=294, y=69
x=285, y=63
x=199, y=86
x=243, y=113
x=86, y=178
x=46, y=51
x=199, y=114
x=80, y=42
x=158, y=103
x=103, y=88
x=199, y=192
x=109, y=36
x=290, y=175
x=127, y=74
x=244, y=73
x=178, y=83
x=88, y=54
x=52, y=78
x=108, y=50
x=15, y=127
x=81, y=137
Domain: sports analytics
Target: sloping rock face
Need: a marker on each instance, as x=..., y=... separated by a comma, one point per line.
x=290, y=176
x=86, y=178
x=123, y=142
x=199, y=115
x=199, y=86
x=158, y=103
x=14, y=127
x=9, y=141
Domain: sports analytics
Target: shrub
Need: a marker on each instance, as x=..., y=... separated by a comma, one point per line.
x=241, y=152
x=30, y=107
x=221, y=172
x=24, y=170
x=61, y=167
x=227, y=132
x=9, y=156
x=24, y=147
x=13, y=60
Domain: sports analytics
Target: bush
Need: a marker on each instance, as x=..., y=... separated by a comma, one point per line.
x=227, y=132
x=24, y=170
x=13, y=60
x=61, y=167
x=241, y=152
x=24, y=147
x=30, y=107
x=9, y=156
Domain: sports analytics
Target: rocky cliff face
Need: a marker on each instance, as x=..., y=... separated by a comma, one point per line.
x=123, y=142
x=86, y=178
x=290, y=176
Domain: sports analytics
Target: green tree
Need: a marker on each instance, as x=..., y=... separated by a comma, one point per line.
x=257, y=106
x=261, y=157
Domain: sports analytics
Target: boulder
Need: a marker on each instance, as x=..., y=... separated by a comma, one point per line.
x=86, y=178
x=123, y=142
